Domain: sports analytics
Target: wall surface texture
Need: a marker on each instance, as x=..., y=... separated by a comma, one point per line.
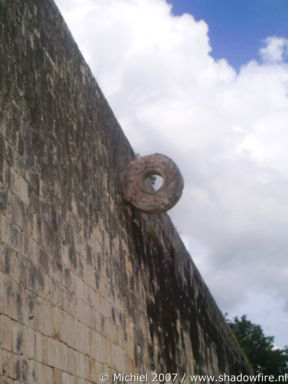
x=88, y=284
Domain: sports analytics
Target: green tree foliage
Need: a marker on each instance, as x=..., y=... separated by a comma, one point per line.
x=260, y=349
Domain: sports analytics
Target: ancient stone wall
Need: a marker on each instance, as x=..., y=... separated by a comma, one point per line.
x=88, y=284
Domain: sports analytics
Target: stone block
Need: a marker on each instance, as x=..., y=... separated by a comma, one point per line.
x=57, y=376
x=19, y=186
x=42, y=373
x=68, y=379
x=29, y=343
x=18, y=338
x=6, y=332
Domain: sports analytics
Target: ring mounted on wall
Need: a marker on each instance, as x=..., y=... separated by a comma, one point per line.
x=139, y=191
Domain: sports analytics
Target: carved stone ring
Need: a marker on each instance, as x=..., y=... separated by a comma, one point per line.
x=141, y=193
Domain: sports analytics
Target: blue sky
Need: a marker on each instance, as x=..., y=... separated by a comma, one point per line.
x=237, y=28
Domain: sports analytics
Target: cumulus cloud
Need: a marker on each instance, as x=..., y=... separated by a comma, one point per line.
x=275, y=49
x=227, y=131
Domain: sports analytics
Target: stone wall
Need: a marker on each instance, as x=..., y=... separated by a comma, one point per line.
x=88, y=284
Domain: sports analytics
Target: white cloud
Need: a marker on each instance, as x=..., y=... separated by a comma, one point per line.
x=227, y=131
x=275, y=49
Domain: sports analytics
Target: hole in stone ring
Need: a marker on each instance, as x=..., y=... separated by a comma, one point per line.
x=152, y=182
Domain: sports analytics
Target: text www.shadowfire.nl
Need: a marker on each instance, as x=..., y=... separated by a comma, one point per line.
x=188, y=378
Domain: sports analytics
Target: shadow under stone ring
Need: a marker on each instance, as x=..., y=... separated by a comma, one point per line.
x=141, y=193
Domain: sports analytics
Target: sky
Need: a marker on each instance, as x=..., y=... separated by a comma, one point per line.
x=237, y=28
x=210, y=86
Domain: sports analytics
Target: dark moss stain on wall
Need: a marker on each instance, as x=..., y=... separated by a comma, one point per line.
x=176, y=293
